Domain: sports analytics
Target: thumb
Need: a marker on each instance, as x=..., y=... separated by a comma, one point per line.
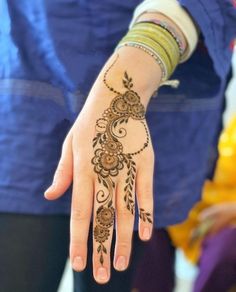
x=64, y=172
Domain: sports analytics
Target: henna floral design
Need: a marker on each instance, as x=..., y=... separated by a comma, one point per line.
x=107, y=163
x=109, y=157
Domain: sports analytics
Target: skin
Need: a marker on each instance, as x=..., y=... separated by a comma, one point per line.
x=76, y=164
x=223, y=215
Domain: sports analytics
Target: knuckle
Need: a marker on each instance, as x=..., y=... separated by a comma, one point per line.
x=58, y=173
x=78, y=215
x=124, y=245
x=61, y=171
x=83, y=167
x=124, y=212
x=76, y=243
x=61, y=166
x=146, y=192
x=77, y=159
x=81, y=163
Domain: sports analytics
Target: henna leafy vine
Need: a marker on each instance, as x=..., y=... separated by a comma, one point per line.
x=128, y=198
x=109, y=158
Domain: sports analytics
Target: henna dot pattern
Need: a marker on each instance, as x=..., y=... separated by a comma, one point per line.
x=109, y=157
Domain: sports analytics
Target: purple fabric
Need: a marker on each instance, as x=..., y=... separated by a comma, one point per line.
x=217, y=266
x=155, y=272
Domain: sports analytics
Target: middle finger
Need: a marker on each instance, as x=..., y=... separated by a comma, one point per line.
x=103, y=223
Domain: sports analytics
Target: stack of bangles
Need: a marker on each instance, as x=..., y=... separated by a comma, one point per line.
x=158, y=40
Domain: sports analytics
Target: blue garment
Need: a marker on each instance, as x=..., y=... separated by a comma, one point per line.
x=217, y=21
x=51, y=52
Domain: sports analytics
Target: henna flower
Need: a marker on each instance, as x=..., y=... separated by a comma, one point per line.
x=119, y=106
x=112, y=147
x=128, y=105
x=101, y=234
x=131, y=97
x=105, y=216
x=107, y=164
x=138, y=111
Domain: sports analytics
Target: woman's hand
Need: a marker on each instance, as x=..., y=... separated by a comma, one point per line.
x=109, y=156
x=222, y=216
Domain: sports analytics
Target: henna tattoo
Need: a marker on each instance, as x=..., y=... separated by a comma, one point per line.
x=144, y=215
x=109, y=157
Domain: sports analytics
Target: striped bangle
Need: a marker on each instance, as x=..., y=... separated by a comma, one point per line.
x=170, y=30
x=156, y=31
x=157, y=42
x=168, y=44
x=162, y=47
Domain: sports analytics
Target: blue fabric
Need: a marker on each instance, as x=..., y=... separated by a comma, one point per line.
x=51, y=52
x=217, y=21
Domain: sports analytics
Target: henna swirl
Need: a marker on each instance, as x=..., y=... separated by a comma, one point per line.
x=109, y=157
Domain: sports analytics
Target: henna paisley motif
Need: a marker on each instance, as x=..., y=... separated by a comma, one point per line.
x=119, y=106
x=109, y=157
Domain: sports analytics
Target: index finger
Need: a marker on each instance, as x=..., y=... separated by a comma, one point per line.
x=81, y=210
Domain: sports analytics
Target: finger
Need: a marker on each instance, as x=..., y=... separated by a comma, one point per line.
x=208, y=213
x=103, y=223
x=81, y=210
x=219, y=223
x=64, y=172
x=144, y=193
x=124, y=221
x=214, y=230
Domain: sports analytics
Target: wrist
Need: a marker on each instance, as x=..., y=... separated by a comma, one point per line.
x=144, y=71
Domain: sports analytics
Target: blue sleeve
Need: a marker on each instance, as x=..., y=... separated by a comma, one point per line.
x=217, y=22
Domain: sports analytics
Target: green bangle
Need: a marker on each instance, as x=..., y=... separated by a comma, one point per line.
x=157, y=42
x=159, y=36
x=171, y=51
x=156, y=47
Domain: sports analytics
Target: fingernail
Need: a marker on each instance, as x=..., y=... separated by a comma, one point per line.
x=121, y=263
x=102, y=274
x=146, y=233
x=78, y=263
